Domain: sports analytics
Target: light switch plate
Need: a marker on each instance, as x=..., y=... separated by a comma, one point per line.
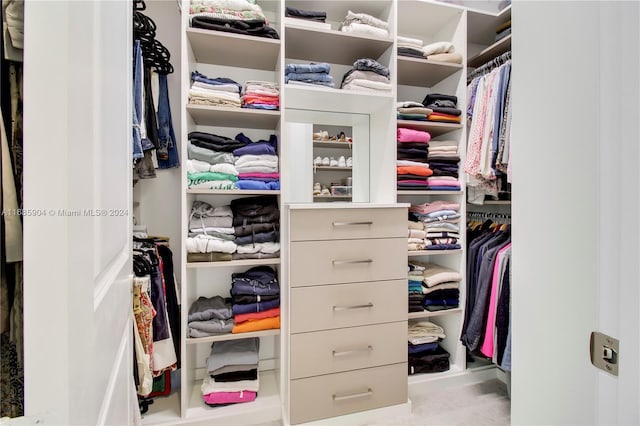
x=604, y=352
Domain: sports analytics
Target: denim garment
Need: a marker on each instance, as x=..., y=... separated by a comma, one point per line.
x=167, y=152
x=308, y=76
x=505, y=73
x=322, y=67
x=196, y=76
x=137, y=101
x=261, y=106
x=367, y=64
x=248, y=287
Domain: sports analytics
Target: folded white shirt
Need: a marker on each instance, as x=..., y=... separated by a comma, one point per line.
x=438, y=47
x=208, y=244
x=269, y=247
x=410, y=41
x=232, y=88
x=209, y=385
x=265, y=159
x=376, y=85
x=356, y=28
x=198, y=91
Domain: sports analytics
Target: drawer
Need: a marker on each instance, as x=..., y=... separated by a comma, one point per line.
x=344, y=224
x=338, y=394
x=335, y=262
x=344, y=349
x=347, y=305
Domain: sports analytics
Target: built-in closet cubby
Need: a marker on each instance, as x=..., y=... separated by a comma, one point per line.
x=431, y=23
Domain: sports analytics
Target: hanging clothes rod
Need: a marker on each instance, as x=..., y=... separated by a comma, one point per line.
x=489, y=66
x=498, y=217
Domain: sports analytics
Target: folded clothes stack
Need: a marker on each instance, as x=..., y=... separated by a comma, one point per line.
x=257, y=219
x=261, y=95
x=210, y=163
x=444, y=160
x=255, y=300
x=444, y=107
x=425, y=355
x=232, y=372
x=236, y=16
x=305, y=15
x=442, y=51
x=412, y=169
x=440, y=285
x=409, y=110
x=211, y=233
x=218, y=91
x=257, y=164
x=210, y=316
x=367, y=75
x=440, y=225
x=309, y=74
x=362, y=23
x=411, y=47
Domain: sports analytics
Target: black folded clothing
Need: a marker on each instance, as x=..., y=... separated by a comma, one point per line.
x=214, y=142
x=446, y=110
x=309, y=15
x=408, y=51
x=262, y=209
x=432, y=97
x=252, y=27
x=434, y=361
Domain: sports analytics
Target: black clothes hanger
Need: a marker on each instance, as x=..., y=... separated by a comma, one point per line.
x=155, y=54
x=139, y=5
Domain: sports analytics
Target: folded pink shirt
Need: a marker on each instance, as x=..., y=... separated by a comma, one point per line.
x=411, y=135
x=229, y=397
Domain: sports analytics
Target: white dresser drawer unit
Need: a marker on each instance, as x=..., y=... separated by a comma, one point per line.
x=341, y=224
x=347, y=305
x=335, y=262
x=333, y=351
x=338, y=394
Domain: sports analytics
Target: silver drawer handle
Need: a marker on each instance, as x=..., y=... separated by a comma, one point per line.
x=352, y=351
x=351, y=223
x=349, y=262
x=345, y=308
x=369, y=392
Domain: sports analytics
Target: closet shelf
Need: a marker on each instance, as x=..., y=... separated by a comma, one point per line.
x=434, y=128
x=233, y=192
x=427, y=192
x=423, y=72
x=328, y=144
x=416, y=379
x=415, y=253
x=329, y=168
x=332, y=46
x=336, y=100
x=233, y=50
x=496, y=49
x=231, y=336
x=332, y=197
x=267, y=406
x=427, y=314
x=239, y=262
x=205, y=115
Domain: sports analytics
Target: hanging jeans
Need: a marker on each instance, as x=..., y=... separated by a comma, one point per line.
x=167, y=151
x=137, y=101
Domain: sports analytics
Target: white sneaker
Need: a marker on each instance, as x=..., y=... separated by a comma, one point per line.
x=349, y=162
x=317, y=161
x=325, y=161
x=342, y=162
x=333, y=162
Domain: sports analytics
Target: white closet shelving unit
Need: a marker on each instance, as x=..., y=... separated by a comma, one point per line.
x=220, y=54
x=433, y=22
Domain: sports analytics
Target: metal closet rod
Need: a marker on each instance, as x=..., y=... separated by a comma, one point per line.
x=487, y=67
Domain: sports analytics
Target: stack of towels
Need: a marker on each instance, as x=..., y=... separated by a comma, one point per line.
x=425, y=354
x=444, y=107
x=411, y=165
x=210, y=316
x=211, y=234
x=362, y=23
x=233, y=372
x=440, y=229
x=218, y=91
x=440, y=285
x=256, y=300
x=410, y=110
x=444, y=161
x=257, y=164
x=260, y=216
x=443, y=51
x=367, y=75
x=210, y=163
x=309, y=74
x=261, y=95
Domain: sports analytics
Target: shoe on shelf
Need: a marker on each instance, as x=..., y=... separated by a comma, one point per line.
x=333, y=162
x=342, y=137
x=317, y=190
x=342, y=162
x=326, y=161
x=317, y=161
x=322, y=135
x=325, y=191
x=349, y=162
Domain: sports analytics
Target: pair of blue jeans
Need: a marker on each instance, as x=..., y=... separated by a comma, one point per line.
x=137, y=101
x=167, y=152
x=322, y=67
x=196, y=76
